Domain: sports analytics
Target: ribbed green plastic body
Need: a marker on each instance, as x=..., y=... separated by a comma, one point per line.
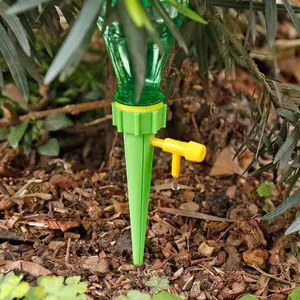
x=139, y=128
x=116, y=44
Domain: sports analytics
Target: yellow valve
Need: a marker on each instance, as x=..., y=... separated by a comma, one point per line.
x=191, y=151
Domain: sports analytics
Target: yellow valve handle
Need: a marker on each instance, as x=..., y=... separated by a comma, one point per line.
x=191, y=151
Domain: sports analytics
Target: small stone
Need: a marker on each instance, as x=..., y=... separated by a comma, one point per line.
x=96, y=265
x=37, y=260
x=206, y=250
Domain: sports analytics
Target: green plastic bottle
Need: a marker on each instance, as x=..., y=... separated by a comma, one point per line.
x=116, y=44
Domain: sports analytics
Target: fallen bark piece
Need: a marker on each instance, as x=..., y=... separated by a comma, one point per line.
x=256, y=257
x=206, y=250
x=96, y=265
x=225, y=165
x=26, y=266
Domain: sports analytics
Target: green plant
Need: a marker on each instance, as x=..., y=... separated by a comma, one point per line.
x=136, y=295
x=48, y=288
x=295, y=295
x=265, y=189
x=249, y=297
x=31, y=134
x=157, y=284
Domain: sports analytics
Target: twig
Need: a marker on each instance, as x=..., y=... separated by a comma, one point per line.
x=192, y=214
x=272, y=276
x=68, y=109
x=78, y=128
x=68, y=251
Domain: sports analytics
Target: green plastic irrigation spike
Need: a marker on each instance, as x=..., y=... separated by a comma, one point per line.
x=139, y=157
x=139, y=125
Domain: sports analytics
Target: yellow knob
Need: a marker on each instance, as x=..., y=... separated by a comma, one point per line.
x=191, y=151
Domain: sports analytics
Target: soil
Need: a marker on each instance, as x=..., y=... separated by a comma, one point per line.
x=69, y=216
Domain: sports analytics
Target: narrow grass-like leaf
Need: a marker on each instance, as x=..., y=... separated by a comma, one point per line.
x=251, y=30
x=22, y=6
x=29, y=65
x=287, y=114
x=16, y=27
x=137, y=43
x=271, y=20
x=13, y=62
x=286, y=150
x=86, y=20
x=294, y=227
x=262, y=170
x=292, y=14
x=292, y=184
x=243, y=5
x=1, y=79
x=172, y=27
x=290, y=202
x=187, y=11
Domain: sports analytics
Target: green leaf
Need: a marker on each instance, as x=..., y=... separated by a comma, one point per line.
x=76, y=285
x=134, y=295
x=294, y=227
x=57, y=122
x=137, y=43
x=295, y=295
x=72, y=280
x=289, y=202
x=166, y=296
x=136, y=12
x=16, y=133
x=27, y=142
x=11, y=57
x=293, y=15
x=249, y=297
x=157, y=284
x=287, y=114
x=85, y=21
x=286, y=150
x=22, y=6
x=187, y=11
x=271, y=20
x=16, y=27
x=242, y=5
x=172, y=27
x=36, y=293
x=51, y=148
x=51, y=284
x=265, y=189
x=20, y=290
x=3, y=133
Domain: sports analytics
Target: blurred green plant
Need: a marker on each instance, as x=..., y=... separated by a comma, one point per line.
x=157, y=284
x=136, y=295
x=48, y=287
